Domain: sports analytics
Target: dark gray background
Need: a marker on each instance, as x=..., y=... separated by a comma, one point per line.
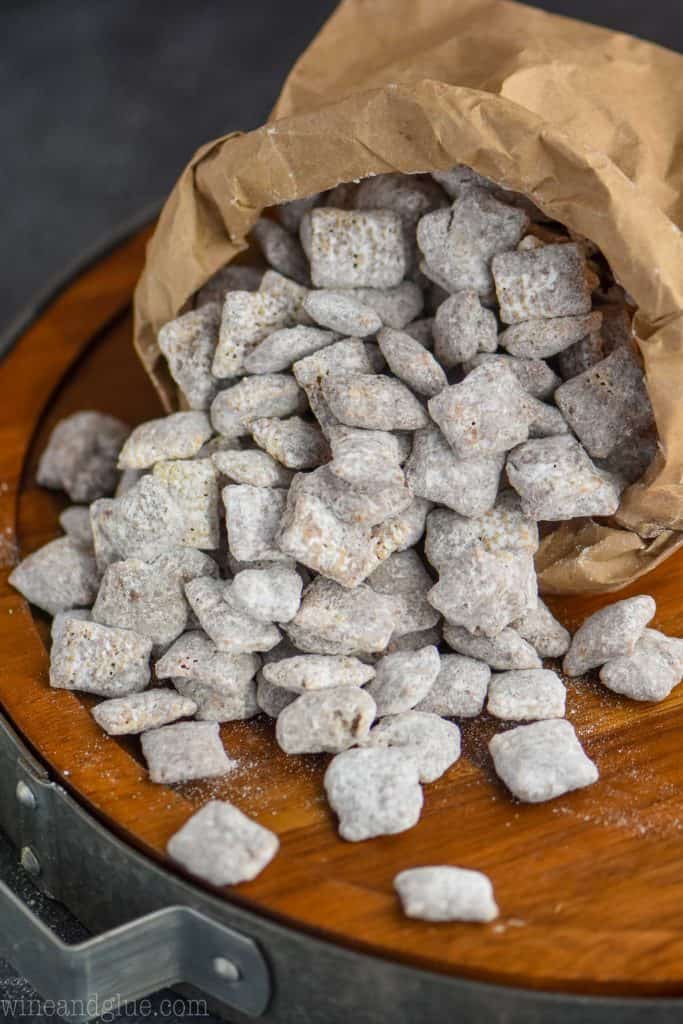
x=104, y=101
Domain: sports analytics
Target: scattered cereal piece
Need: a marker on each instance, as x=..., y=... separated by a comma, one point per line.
x=222, y=846
x=325, y=721
x=247, y=318
x=373, y=791
x=523, y=696
x=139, y=596
x=282, y=348
x=178, y=436
x=373, y=401
x=505, y=651
x=357, y=620
x=651, y=672
x=466, y=485
x=403, y=679
x=58, y=576
x=460, y=688
x=234, y=703
x=80, y=457
x=269, y=595
x=540, y=627
x=463, y=327
x=139, y=712
x=295, y=443
x=96, y=659
x=350, y=248
x=185, y=751
x=411, y=362
x=446, y=893
x=270, y=394
x=342, y=312
x=189, y=343
x=486, y=414
x=232, y=630
x=546, y=282
x=252, y=467
x=542, y=761
x=556, y=480
x=195, y=656
x=75, y=521
x=305, y=672
x=431, y=742
x=608, y=633
x=253, y=516
x=281, y=249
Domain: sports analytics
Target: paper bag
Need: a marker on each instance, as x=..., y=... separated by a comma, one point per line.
x=585, y=121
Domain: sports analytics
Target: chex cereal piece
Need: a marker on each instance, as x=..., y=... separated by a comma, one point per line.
x=459, y=243
x=269, y=394
x=607, y=402
x=350, y=504
x=460, y=178
x=466, y=485
x=80, y=457
x=185, y=751
x=347, y=356
x=411, y=362
x=75, y=521
x=403, y=679
x=140, y=596
x=284, y=288
x=177, y=436
x=526, y=695
x=546, y=420
x=281, y=249
x=232, y=630
x=189, y=343
x=557, y=480
x=253, y=516
x=232, y=277
x=486, y=414
x=546, y=282
x=144, y=523
x=463, y=327
x=373, y=791
x=294, y=442
x=484, y=591
x=396, y=307
x=542, y=761
x=61, y=618
x=651, y=672
x=503, y=527
x=540, y=339
x=373, y=401
x=314, y=535
x=222, y=846
x=234, y=703
x=431, y=742
x=404, y=577
x=505, y=651
x=96, y=659
x=305, y=672
x=269, y=595
x=253, y=467
x=410, y=196
x=194, y=487
x=123, y=716
x=272, y=699
x=247, y=318
x=282, y=348
x=534, y=375
x=325, y=721
x=460, y=688
x=58, y=576
x=195, y=656
x=366, y=459
x=358, y=619
x=353, y=248
x=343, y=312
x=446, y=893
x=608, y=633
x=540, y=627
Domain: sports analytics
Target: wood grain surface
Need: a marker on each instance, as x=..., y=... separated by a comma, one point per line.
x=590, y=885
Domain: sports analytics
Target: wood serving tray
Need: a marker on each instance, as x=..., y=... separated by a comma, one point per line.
x=590, y=886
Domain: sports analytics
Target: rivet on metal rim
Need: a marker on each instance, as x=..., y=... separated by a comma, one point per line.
x=29, y=861
x=25, y=795
x=226, y=969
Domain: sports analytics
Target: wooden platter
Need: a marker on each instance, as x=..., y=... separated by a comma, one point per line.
x=590, y=886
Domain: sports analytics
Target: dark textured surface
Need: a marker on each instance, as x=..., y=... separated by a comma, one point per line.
x=102, y=105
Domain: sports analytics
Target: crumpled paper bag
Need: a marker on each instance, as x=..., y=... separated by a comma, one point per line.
x=585, y=121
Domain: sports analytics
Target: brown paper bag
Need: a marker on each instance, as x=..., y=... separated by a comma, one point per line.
x=585, y=121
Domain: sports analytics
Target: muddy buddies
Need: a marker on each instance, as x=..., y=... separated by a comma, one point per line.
x=338, y=529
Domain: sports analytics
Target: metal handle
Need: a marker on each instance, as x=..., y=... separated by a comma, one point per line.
x=164, y=948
